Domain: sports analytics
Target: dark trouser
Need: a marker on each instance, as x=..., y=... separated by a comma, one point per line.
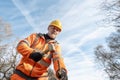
x=18, y=72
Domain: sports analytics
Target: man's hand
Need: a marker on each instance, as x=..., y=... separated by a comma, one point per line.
x=61, y=74
x=36, y=56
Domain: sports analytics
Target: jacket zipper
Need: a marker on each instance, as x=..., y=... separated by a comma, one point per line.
x=32, y=69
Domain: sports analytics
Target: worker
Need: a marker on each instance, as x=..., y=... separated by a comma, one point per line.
x=38, y=52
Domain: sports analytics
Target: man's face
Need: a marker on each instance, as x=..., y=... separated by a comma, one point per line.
x=53, y=31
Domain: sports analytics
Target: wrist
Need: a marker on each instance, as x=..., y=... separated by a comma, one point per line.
x=61, y=73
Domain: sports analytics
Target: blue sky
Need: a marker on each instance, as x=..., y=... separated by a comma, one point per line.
x=82, y=31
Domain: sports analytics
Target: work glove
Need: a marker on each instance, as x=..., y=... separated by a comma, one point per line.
x=36, y=56
x=62, y=75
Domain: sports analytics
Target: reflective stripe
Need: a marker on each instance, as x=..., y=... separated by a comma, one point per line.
x=42, y=62
x=48, y=56
x=23, y=41
x=26, y=42
x=54, y=59
x=46, y=51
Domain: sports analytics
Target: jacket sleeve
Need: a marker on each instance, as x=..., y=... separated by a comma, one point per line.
x=24, y=46
x=58, y=61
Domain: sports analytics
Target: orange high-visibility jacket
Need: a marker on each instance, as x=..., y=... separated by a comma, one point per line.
x=37, y=42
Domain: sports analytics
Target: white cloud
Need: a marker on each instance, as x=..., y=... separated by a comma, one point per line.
x=25, y=12
x=81, y=64
x=79, y=24
x=99, y=33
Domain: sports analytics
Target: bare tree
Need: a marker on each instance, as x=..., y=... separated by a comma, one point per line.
x=109, y=57
x=8, y=56
x=111, y=8
x=8, y=62
x=5, y=30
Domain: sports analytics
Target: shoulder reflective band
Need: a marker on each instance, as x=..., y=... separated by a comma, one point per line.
x=26, y=42
x=23, y=41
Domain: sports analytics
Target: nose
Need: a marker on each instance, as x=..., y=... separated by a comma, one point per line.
x=55, y=30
